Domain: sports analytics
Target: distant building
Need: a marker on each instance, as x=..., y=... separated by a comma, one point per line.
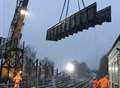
x=114, y=64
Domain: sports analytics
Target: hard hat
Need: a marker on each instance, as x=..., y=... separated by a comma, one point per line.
x=20, y=72
x=107, y=76
x=94, y=77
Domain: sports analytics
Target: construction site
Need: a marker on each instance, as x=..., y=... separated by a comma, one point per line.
x=84, y=44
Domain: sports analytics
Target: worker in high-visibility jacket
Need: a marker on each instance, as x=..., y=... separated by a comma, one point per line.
x=17, y=79
x=104, y=82
x=95, y=83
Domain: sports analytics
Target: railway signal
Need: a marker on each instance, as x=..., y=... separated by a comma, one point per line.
x=83, y=19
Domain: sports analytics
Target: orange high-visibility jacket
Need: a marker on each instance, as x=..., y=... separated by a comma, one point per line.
x=95, y=83
x=17, y=78
x=103, y=83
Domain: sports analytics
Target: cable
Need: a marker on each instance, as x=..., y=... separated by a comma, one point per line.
x=67, y=7
x=62, y=10
x=83, y=3
x=68, y=2
x=78, y=4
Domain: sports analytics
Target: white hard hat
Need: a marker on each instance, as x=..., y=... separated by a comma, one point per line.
x=20, y=72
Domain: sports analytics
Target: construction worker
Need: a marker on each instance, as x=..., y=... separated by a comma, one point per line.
x=104, y=82
x=95, y=85
x=17, y=79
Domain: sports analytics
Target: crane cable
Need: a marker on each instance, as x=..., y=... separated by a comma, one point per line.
x=83, y=3
x=68, y=2
x=67, y=8
x=78, y=4
x=62, y=10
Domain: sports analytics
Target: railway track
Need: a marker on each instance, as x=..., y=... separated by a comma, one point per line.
x=57, y=82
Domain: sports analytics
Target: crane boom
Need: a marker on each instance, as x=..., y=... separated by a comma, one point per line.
x=12, y=54
x=18, y=22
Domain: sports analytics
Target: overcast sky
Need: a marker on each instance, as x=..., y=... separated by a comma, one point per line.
x=88, y=46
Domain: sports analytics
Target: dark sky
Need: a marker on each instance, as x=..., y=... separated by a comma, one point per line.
x=88, y=46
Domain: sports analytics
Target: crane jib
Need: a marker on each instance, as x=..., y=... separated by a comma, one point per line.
x=11, y=45
x=18, y=20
